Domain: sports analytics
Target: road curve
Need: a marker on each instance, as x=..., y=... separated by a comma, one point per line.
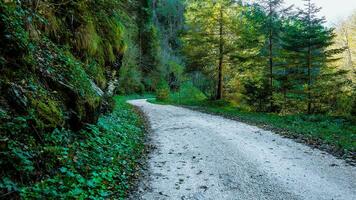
x=202, y=156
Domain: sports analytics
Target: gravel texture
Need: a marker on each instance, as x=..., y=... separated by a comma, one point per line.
x=202, y=156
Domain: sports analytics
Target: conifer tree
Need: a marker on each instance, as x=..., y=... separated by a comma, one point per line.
x=307, y=42
x=272, y=28
x=208, y=38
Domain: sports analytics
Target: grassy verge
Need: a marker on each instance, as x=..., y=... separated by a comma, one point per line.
x=96, y=163
x=140, y=96
x=333, y=134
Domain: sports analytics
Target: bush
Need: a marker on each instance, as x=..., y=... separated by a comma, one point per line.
x=162, y=91
x=188, y=93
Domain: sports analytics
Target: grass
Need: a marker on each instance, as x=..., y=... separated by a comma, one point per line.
x=334, y=134
x=149, y=96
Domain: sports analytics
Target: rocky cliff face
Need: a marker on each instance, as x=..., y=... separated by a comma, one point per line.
x=44, y=78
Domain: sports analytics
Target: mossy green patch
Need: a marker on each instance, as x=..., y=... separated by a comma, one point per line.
x=48, y=112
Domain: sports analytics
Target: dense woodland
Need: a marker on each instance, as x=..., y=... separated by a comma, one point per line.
x=61, y=63
x=270, y=57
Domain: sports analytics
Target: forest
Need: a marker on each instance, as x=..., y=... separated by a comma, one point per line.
x=67, y=68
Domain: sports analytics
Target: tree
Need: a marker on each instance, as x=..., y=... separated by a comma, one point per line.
x=272, y=29
x=346, y=36
x=209, y=37
x=170, y=14
x=246, y=73
x=308, y=43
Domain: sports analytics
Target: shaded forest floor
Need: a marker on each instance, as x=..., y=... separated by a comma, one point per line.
x=335, y=135
x=98, y=162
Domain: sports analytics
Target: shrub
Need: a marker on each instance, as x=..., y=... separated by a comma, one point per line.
x=162, y=91
x=188, y=93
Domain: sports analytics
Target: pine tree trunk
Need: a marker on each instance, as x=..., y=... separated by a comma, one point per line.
x=271, y=58
x=219, y=92
x=309, y=62
x=309, y=80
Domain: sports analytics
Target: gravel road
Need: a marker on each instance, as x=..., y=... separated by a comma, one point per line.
x=201, y=156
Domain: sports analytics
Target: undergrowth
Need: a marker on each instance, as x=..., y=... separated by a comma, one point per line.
x=95, y=163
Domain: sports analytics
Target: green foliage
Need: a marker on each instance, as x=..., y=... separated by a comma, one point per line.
x=14, y=38
x=88, y=39
x=206, y=43
x=92, y=28
x=96, y=72
x=175, y=73
x=160, y=43
x=55, y=59
x=130, y=80
x=256, y=92
x=95, y=163
x=187, y=93
x=151, y=59
x=48, y=113
x=309, y=70
x=273, y=60
x=162, y=90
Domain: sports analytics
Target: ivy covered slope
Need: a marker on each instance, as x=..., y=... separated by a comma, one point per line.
x=59, y=66
x=95, y=163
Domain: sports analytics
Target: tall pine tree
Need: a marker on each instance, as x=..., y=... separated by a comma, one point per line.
x=272, y=28
x=208, y=38
x=307, y=43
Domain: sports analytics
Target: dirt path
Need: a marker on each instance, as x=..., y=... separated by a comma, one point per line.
x=201, y=156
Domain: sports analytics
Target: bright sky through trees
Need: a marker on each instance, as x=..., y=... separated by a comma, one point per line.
x=333, y=10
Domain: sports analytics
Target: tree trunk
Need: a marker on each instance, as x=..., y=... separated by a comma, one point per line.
x=219, y=93
x=309, y=64
x=348, y=50
x=309, y=80
x=270, y=37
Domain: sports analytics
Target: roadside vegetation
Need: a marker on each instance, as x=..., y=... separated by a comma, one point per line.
x=98, y=162
x=61, y=65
